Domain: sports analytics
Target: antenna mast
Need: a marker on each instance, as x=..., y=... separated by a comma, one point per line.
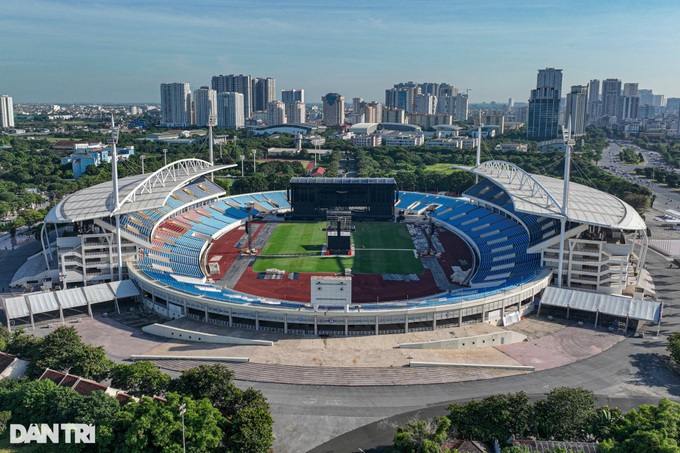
x=569, y=142
x=113, y=140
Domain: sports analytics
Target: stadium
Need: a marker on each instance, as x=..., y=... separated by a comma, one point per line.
x=343, y=256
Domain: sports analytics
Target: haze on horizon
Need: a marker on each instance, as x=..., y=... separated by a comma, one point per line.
x=74, y=51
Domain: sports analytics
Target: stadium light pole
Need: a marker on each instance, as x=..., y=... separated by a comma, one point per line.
x=212, y=120
x=242, y=159
x=165, y=157
x=142, y=157
x=113, y=140
x=569, y=142
x=254, y=154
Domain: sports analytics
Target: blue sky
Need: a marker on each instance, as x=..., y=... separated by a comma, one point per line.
x=90, y=51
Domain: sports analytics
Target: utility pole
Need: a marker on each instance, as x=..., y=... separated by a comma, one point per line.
x=182, y=410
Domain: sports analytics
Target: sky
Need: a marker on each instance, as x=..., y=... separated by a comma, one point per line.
x=79, y=51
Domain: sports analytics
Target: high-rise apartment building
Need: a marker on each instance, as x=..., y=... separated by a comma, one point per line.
x=205, y=104
x=333, y=109
x=425, y=104
x=264, y=92
x=646, y=97
x=544, y=105
x=391, y=115
x=594, y=104
x=456, y=105
x=236, y=84
x=611, y=97
x=356, y=104
x=630, y=102
x=576, y=109
x=372, y=112
x=175, y=104
x=296, y=111
x=6, y=112
x=230, y=110
x=276, y=113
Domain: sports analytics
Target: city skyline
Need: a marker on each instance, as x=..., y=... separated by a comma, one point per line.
x=74, y=52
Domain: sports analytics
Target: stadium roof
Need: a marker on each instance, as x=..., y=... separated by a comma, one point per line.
x=543, y=196
x=297, y=180
x=136, y=192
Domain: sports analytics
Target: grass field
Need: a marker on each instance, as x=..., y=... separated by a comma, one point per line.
x=380, y=248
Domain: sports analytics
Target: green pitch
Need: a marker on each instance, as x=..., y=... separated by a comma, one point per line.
x=380, y=248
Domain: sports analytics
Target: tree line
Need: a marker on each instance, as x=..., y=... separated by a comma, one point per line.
x=219, y=416
x=565, y=414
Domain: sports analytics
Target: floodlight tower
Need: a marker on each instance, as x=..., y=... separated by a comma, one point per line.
x=478, y=159
x=113, y=140
x=212, y=120
x=569, y=142
x=242, y=159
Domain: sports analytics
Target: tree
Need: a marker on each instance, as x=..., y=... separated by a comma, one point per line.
x=419, y=436
x=648, y=428
x=248, y=422
x=565, y=414
x=140, y=378
x=673, y=346
x=156, y=426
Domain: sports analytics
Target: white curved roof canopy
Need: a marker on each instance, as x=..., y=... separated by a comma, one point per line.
x=543, y=195
x=135, y=193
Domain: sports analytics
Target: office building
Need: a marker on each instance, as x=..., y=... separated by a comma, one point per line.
x=236, y=84
x=6, y=112
x=205, y=104
x=264, y=92
x=276, y=113
x=333, y=109
x=175, y=104
x=576, y=109
x=544, y=105
x=230, y=110
x=646, y=97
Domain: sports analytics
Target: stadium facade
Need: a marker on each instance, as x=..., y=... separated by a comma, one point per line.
x=510, y=220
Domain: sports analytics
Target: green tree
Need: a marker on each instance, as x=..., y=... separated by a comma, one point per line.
x=140, y=378
x=673, y=346
x=156, y=426
x=248, y=422
x=565, y=414
x=420, y=436
x=646, y=429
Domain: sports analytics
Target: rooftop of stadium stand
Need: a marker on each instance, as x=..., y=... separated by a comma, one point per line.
x=136, y=193
x=298, y=180
x=543, y=196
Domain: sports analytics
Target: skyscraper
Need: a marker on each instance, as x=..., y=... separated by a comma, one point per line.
x=295, y=105
x=175, y=104
x=544, y=105
x=205, y=104
x=611, y=97
x=264, y=92
x=236, y=84
x=594, y=103
x=630, y=102
x=6, y=112
x=333, y=109
x=230, y=110
x=276, y=113
x=575, y=112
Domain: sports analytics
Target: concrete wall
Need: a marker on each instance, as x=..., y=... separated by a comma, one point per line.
x=164, y=331
x=478, y=341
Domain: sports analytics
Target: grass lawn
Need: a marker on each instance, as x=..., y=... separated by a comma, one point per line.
x=298, y=237
x=305, y=237
x=382, y=235
x=444, y=169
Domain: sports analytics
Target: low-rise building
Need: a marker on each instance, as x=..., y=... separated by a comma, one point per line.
x=367, y=141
